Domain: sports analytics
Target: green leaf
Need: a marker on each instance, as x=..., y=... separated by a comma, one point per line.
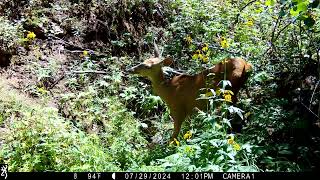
x=285, y=152
x=294, y=12
x=267, y=160
x=303, y=17
x=303, y=6
x=262, y=77
x=219, y=159
x=269, y=2
x=259, y=10
x=239, y=111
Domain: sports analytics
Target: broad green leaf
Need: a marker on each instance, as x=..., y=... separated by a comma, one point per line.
x=269, y=2
x=285, y=152
x=303, y=6
x=294, y=12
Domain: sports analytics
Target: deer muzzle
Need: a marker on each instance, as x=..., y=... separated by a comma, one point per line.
x=136, y=69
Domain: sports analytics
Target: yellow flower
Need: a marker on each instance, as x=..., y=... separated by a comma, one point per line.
x=42, y=90
x=227, y=98
x=205, y=47
x=195, y=56
x=31, y=35
x=200, y=56
x=188, y=39
x=250, y=22
x=236, y=146
x=228, y=92
x=85, y=53
x=175, y=141
x=224, y=43
x=205, y=59
x=231, y=140
x=188, y=135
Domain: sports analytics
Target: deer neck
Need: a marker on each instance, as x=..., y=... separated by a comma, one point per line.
x=161, y=86
x=158, y=79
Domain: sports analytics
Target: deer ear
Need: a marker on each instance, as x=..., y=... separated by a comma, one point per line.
x=167, y=61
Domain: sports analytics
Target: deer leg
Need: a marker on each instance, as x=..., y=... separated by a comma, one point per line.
x=178, y=119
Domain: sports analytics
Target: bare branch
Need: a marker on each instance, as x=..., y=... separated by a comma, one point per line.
x=309, y=110
x=90, y=71
x=241, y=9
x=313, y=93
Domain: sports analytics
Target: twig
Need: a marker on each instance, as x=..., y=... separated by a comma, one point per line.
x=90, y=71
x=274, y=28
x=74, y=51
x=291, y=22
x=309, y=110
x=313, y=93
x=103, y=23
x=241, y=9
x=56, y=81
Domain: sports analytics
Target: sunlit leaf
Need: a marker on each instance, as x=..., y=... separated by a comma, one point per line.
x=303, y=6
x=294, y=12
x=269, y=2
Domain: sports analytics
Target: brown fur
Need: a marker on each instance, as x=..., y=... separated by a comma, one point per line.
x=181, y=92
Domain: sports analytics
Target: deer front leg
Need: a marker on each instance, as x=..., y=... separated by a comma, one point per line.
x=178, y=119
